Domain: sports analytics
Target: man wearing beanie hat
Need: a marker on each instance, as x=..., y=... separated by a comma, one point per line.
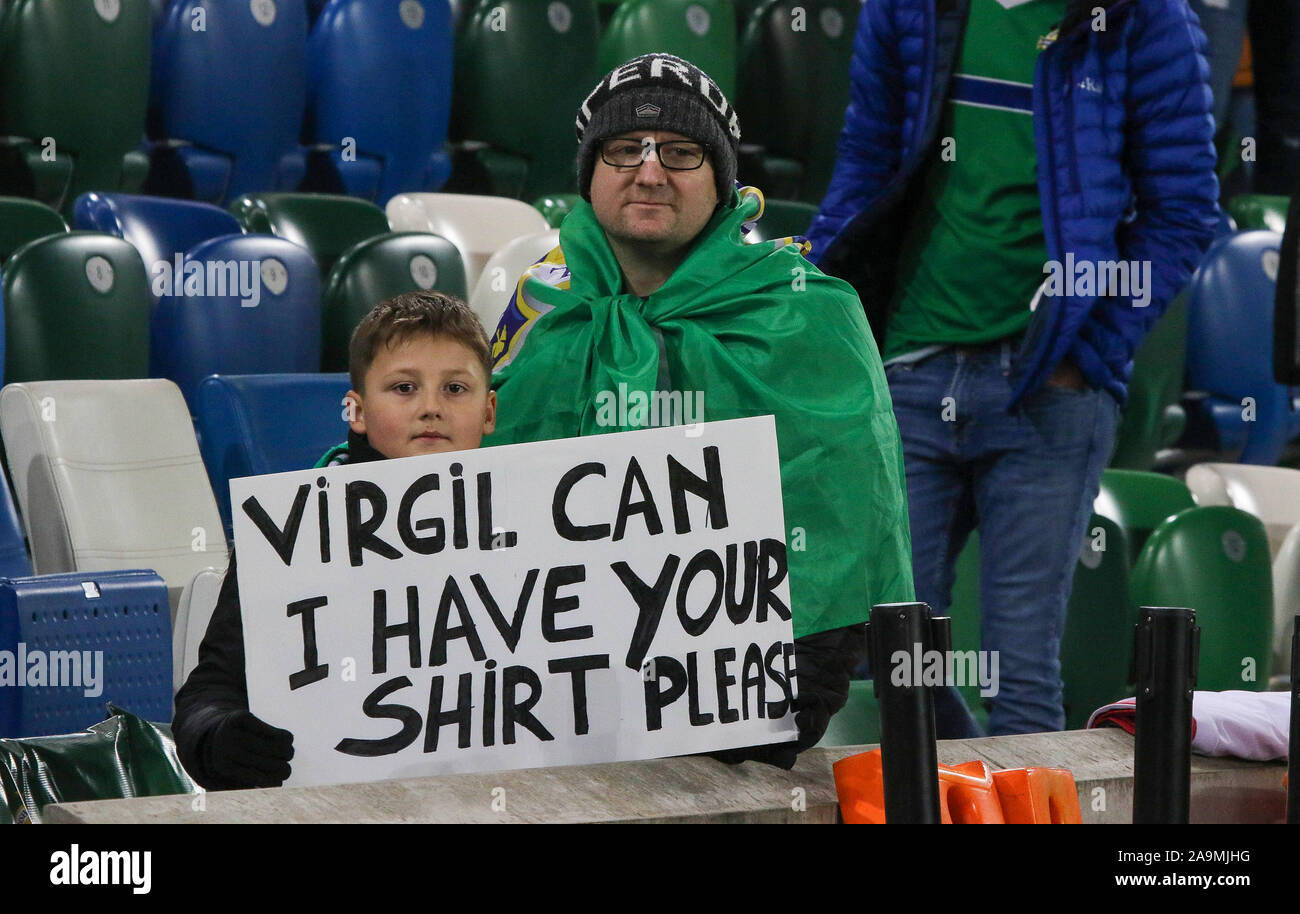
x=654, y=290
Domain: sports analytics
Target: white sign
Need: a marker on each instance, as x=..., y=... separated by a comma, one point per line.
x=588, y=600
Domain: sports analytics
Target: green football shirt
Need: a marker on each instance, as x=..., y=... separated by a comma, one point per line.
x=973, y=254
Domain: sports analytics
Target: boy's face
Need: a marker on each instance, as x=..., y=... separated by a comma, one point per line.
x=424, y=395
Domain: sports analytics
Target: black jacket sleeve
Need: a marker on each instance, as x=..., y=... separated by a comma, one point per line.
x=215, y=687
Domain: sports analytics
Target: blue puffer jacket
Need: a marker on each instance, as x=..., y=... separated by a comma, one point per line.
x=1126, y=160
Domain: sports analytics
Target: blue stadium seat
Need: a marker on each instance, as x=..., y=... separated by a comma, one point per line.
x=379, y=74
x=14, y=560
x=272, y=423
x=227, y=100
x=158, y=227
x=1230, y=314
x=270, y=324
x=123, y=614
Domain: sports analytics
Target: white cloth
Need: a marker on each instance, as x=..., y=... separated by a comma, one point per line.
x=1248, y=725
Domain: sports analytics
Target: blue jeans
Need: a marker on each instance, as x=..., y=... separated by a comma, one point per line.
x=1028, y=480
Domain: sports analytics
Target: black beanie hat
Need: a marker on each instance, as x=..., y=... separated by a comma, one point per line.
x=659, y=92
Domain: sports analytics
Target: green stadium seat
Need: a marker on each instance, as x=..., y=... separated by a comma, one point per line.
x=1139, y=503
x=556, y=206
x=23, y=220
x=858, y=722
x=1259, y=211
x=964, y=610
x=377, y=269
x=522, y=69
x=701, y=31
x=782, y=219
x=74, y=87
x=1215, y=560
x=325, y=224
x=1153, y=417
x=788, y=46
x=76, y=307
x=1098, y=629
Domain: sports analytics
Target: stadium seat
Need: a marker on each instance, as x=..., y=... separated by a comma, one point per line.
x=74, y=86
x=701, y=31
x=14, y=561
x=1139, y=502
x=198, y=600
x=782, y=219
x=227, y=99
x=106, y=633
x=1270, y=493
x=478, y=226
x=324, y=224
x=379, y=97
x=511, y=142
x=258, y=312
x=1286, y=602
x=1259, y=211
x=858, y=722
x=787, y=47
x=108, y=476
x=1153, y=417
x=1233, y=403
x=1099, y=622
x=501, y=274
x=554, y=207
x=1215, y=560
x=158, y=227
x=23, y=220
x=377, y=269
x=314, y=9
x=75, y=306
x=271, y=423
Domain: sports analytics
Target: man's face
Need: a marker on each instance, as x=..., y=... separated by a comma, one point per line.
x=424, y=395
x=650, y=205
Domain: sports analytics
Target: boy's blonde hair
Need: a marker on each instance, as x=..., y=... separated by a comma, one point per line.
x=411, y=314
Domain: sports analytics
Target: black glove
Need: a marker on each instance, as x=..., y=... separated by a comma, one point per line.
x=245, y=751
x=823, y=663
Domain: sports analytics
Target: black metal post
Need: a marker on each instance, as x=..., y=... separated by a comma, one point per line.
x=898, y=637
x=1292, y=788
x=1167, y=650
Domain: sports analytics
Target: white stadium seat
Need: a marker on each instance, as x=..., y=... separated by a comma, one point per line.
x=501, y=274
x=108, y=476
x=198, y=600
x=479, y=226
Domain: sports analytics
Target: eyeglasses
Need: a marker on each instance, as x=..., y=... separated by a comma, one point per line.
x=674, y=155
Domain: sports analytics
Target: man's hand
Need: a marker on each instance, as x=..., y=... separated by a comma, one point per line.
x=1067, y=374
x=245, y=751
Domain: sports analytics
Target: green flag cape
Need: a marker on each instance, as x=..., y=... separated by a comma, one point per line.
x=759, y=330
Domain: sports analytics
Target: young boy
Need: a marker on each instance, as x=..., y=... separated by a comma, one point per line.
x=420, y=368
